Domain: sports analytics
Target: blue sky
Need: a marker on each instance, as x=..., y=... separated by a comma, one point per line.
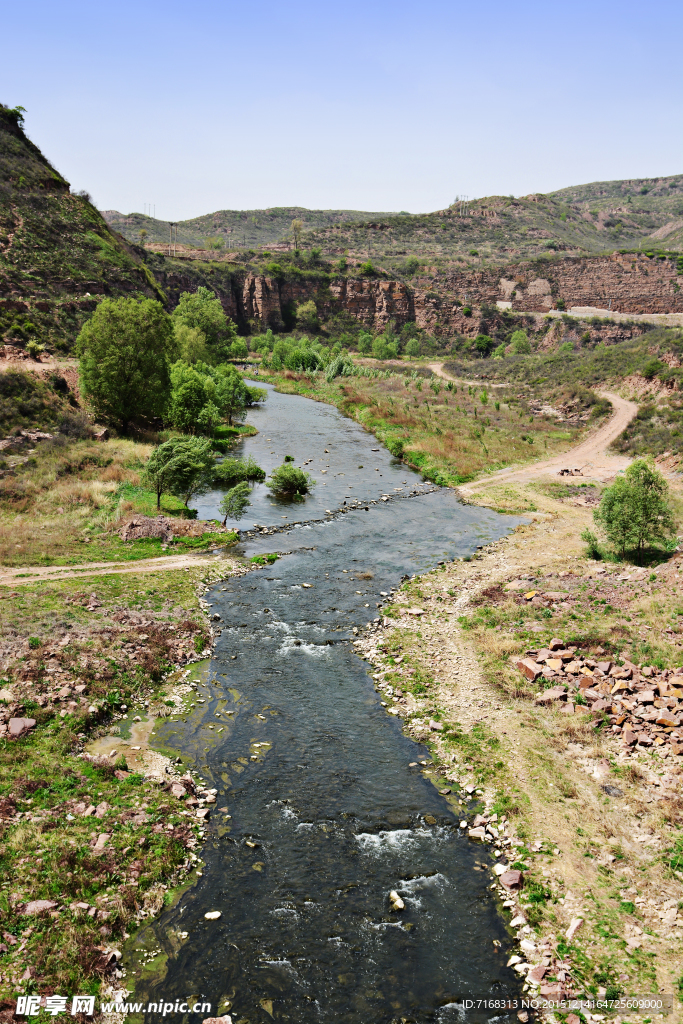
x=365, y=105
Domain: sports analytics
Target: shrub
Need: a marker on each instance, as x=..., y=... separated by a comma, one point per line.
x=484, y=345
x=233, y=471
x=634, y=512
x=520, y=343
x=652, y=368
x=290, y=480
x=367, y=268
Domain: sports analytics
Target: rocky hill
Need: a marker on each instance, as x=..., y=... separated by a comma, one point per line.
x=56, y=251
x=585, y=219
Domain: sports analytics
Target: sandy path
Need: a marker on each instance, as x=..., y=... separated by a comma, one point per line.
x=31, y=573
x=590, y=455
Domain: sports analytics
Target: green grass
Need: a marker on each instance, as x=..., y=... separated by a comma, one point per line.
x=51, y=857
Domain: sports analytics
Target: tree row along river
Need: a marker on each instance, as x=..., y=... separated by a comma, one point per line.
x=326, y=816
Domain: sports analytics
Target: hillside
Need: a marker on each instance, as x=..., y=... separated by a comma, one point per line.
x=235, y=228
x=56, y=250
x=581, y=220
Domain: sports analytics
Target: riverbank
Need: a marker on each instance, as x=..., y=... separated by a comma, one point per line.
x=594, y=817
x=450, y=431
x=92, y=849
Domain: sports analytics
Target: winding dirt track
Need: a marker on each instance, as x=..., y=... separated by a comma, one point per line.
x=591, y=456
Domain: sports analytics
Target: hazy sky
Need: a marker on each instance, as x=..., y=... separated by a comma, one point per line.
x=373, y=105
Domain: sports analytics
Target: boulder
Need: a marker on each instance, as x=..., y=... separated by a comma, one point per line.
x=556, y=644
x=512, y=879
x=477, y=833
x=435, y=726
x=553, y=694
x=178, y=791
x=146, y=526
x=17, y=727
x=529, y=668
x=39, y=906
x=574, y=926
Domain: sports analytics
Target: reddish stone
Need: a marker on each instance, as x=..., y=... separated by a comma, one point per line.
x=512, y=879
x=19, y=727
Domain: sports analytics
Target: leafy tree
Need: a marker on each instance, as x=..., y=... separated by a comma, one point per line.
x=499, y=353
x=413, y=348
x=239, y=350
x=191, y=344
x=214, y=242
x=181, y=466
x=290, y=480
x=307, y=316
x=380, y=347
x=520, y=343
x=484, y=345
x=188, y=396
x=367, y=268
x=634, y=512
x=235, y=503
x=297, y=228
x=364, y=343
x=124, y=351
x=203, y=311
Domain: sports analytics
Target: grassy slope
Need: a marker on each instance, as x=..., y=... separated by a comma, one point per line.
x=260, y=227
x=54, y=248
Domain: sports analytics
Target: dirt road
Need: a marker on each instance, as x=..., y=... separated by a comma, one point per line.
x=31, y=573
x=591, y=456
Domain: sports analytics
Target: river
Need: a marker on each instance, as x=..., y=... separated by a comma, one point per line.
x=327, y=816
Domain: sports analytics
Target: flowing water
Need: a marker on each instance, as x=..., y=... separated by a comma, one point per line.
x=327, y=814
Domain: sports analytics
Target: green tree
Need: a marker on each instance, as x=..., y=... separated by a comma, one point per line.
x=191, y=344
x=484, y=345
x=239, y=350
x=307, y=316
x=188, y=396
x=379, y=347
x=364, y=343
x=499, y=353
x=290, y=480
x=203, y=311
x=124, y=351
x=413, y=348
x=520, y=343
x=235, y=502
x=181, y=466
x=297, y=228
x=634, y=512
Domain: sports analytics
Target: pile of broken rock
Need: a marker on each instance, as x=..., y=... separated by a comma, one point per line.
x=643, y=706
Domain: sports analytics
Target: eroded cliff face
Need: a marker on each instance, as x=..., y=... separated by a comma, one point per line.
x=624, y=282
x=631, y=283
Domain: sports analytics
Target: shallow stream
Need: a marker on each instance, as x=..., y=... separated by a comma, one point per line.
x=326, y=814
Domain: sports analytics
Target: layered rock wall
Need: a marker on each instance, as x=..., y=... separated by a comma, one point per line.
x=625, y=283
